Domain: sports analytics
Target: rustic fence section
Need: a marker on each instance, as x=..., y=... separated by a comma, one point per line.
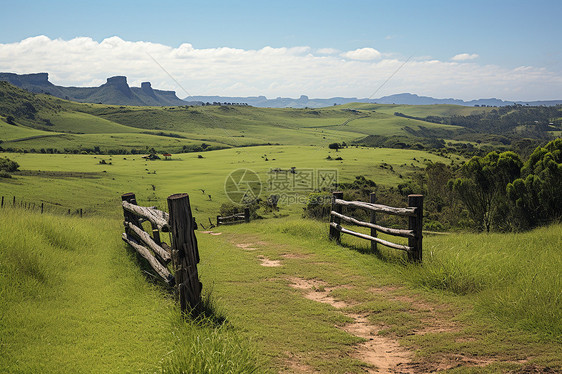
x=183, y=252
x=414, y=212
x=235, y=218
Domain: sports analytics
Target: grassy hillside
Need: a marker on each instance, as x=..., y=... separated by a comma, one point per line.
x=16, y=132
x=224, y=126
x=442, y=110
x=73, y=299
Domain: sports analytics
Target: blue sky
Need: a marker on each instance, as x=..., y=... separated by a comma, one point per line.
x=505, y=35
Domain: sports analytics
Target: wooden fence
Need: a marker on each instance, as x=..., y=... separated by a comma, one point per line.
x=235, y=218
x=40, y=207
x=414, y=212
x=183, y=252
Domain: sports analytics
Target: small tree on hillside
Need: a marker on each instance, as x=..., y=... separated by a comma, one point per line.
x=335, y=146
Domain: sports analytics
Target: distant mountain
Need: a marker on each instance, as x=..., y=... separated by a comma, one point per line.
x=115, y=91
x=401, y=99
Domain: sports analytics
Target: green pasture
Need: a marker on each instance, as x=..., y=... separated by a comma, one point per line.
x=79, y=181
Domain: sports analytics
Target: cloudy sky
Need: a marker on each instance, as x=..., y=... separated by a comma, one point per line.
x=461, y=49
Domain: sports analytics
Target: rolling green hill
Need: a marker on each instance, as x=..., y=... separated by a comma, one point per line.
x=28, y=120
x=174, y=129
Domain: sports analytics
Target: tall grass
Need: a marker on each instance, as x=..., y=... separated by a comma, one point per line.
x=73, y=299
x=517, y=278
x=208, y=350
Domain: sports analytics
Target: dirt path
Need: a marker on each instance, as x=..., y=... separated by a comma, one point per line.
x=384, y=354
x=380, y=350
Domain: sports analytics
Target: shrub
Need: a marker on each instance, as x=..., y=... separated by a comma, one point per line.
x=318, y=205
x=8, y=165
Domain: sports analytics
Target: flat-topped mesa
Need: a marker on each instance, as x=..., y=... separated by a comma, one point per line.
x=26, y=79
x=146, y=87
x=303, y=99
x=36, y=78
x=120, y=83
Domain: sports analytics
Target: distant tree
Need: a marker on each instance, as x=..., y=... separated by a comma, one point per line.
x=482, y=187
x=335, y=146
x=10, y=120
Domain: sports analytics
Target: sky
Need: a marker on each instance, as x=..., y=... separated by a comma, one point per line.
x=460, y=49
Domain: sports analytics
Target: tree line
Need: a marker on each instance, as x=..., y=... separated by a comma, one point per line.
x=494, y=192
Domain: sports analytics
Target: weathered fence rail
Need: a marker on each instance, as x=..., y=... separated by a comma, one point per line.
x=414, y=213
x=235, y=218
x=183, y=252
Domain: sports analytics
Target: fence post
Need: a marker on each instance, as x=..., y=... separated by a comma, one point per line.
x=218, y=220
x=41, y=208
x=246, y=215
x=2, y=205
x=373, y=200
x=334, y=233
x=130, y=217
x=155, y=234
x=185, y=254
x=14, y=202
x=80, y=212
x=415, y=224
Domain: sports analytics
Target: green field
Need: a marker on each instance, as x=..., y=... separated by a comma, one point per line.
x=46, y=178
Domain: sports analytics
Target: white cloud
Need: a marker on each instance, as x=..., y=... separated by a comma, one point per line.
x=271, y=71
x=465, y=57
x=363, y=54
x=327, y=51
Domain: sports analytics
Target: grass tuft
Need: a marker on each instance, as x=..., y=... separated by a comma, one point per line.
x=516, y=277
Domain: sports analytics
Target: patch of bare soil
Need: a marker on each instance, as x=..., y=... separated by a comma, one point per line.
x=383, y=353
x=269, y=263
x=531, y=369
x=294, y=365
x=246, y=246
x=294, y=256
x=437, y=318
x=210, y=232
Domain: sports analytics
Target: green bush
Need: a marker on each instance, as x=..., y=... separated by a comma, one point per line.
x=8, y=165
